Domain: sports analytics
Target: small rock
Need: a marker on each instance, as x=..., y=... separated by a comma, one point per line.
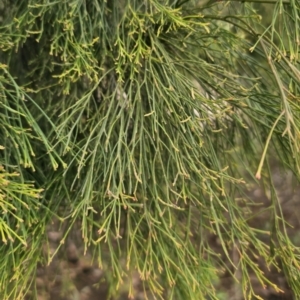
x=258, y=193
x=40, y=283
x=85, y=293
x=54, y=236
x=72, y=253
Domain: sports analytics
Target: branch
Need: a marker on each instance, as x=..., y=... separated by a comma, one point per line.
x=259, y=1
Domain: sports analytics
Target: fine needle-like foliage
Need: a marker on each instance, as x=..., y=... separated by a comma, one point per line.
x=143, y=121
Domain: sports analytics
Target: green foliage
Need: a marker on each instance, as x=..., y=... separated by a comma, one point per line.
x=142, y=120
